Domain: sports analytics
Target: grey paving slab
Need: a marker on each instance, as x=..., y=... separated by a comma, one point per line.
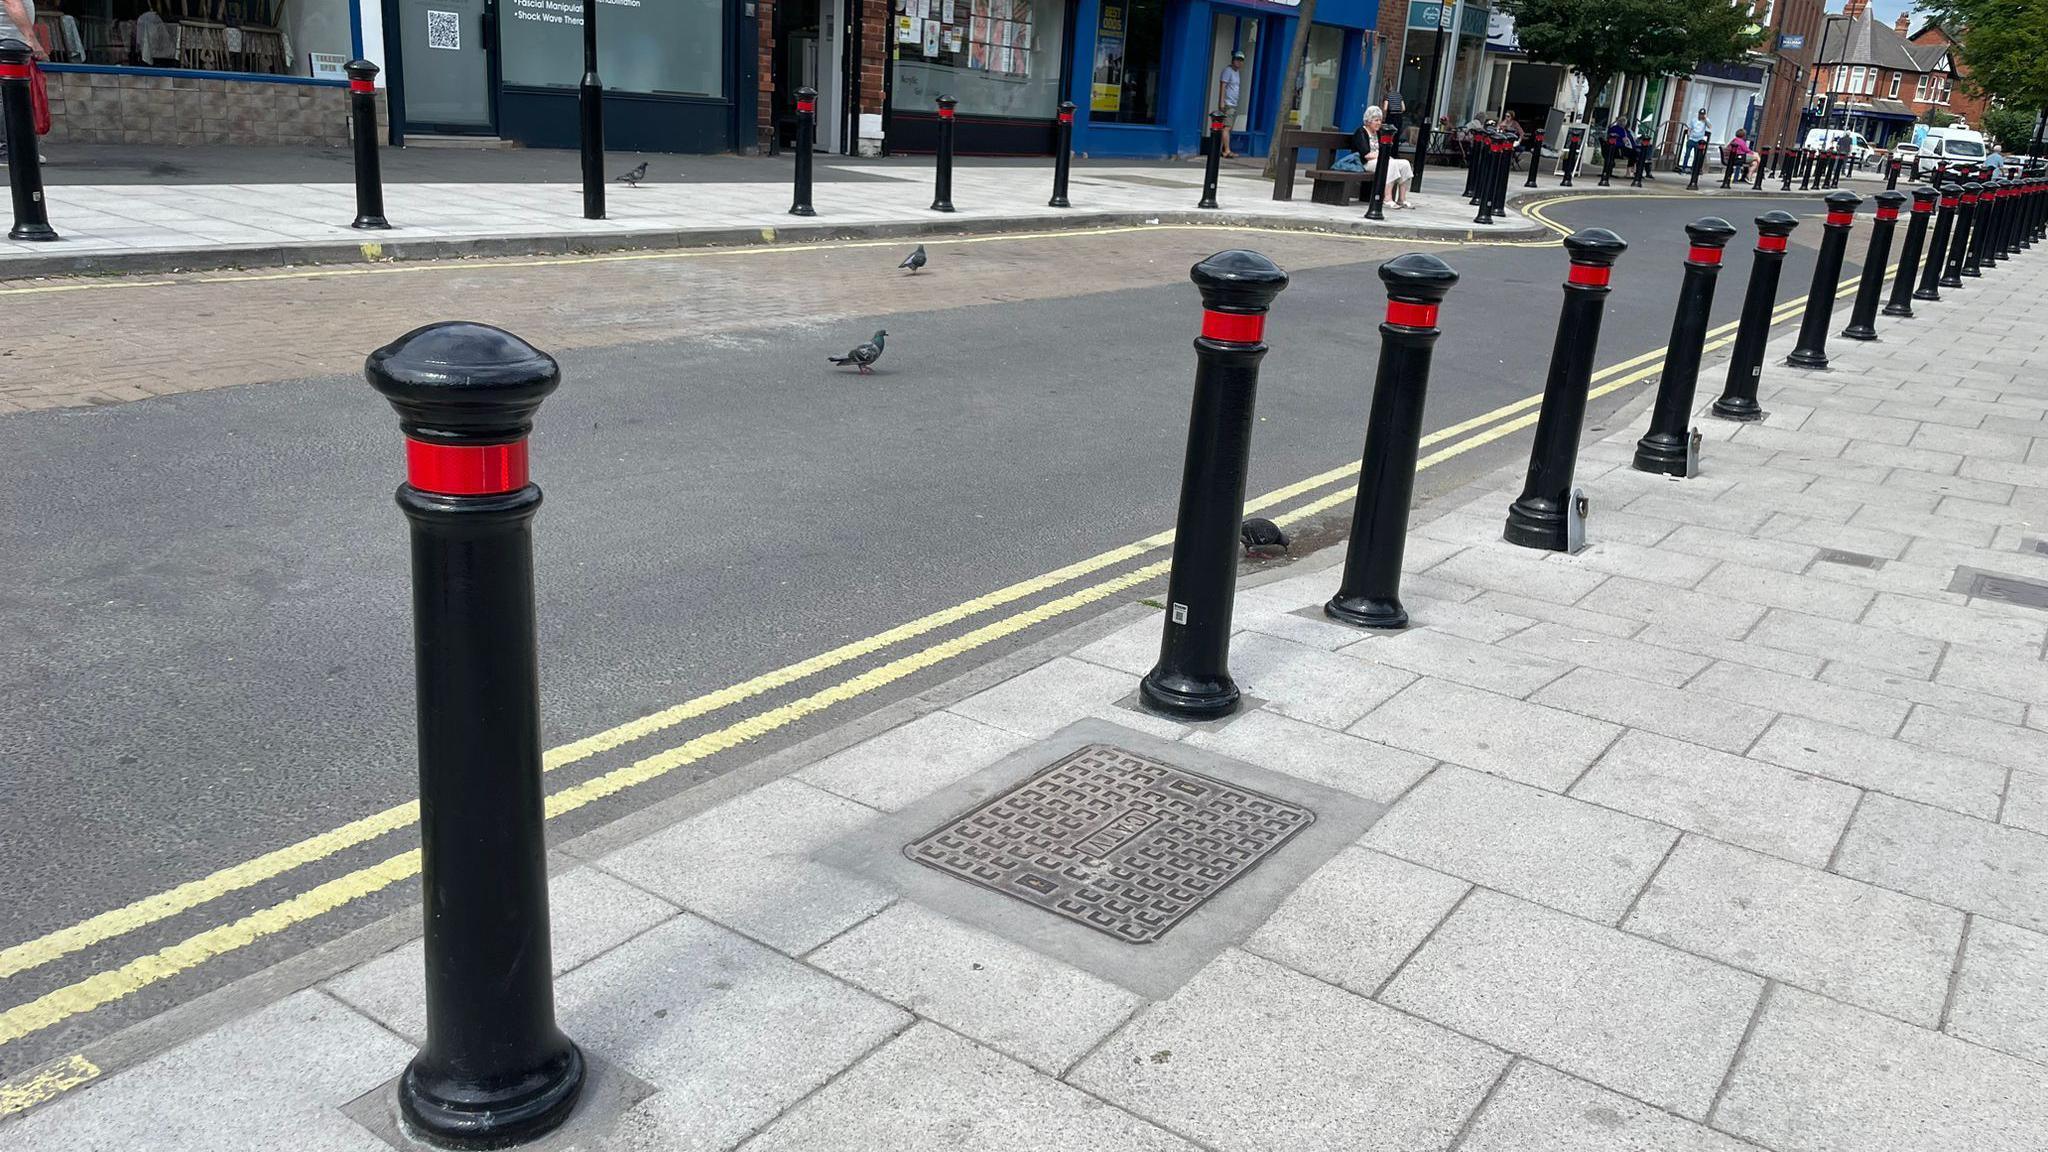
x=1950, y=487
x=1469, y=620
x=1857, y=493
x=1506, y=570
x=1975, y=444
x=1778, y=439
x=1994, y=673
x=1926, y=526
x=1757, y=551
x=1626, y=1013
x=1253, y=1056
x=1538, y=845
x=2020, y=635
x=1348, y=763
x=1892, y=766
x=1565, y=614
x=1778, y=589
x=1854, y=643
x=1027, y=1006
x=1428, y=652
x=1049, y=697
x=1839, y=937
x=743, y=864
x=1801, y=696
x=1949, y=858
x=1823, y=534
x=1542, y=746
x=1819, y=1074
x=1713, y=642
x=1539, y=1109
x=2026, y=801
x=1978, y=738
x=1609, y=653
x=1920, y=459
x=906, y=763
x=1856, y=426
x=589, y=913
x=1324, y=688
x=1787, y=814
x=728, y=1032
x=1690, y=716
x=1133, y=648
x=1655, y=564
x=931, y=1089
x=1630, y=528
x=2001, y=997
x=1658, y=604
x=275, y=1078
x=1357, y=918
x=1912, y=689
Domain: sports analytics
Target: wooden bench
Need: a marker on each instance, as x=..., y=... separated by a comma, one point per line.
x=1339, y=188
x=1327, y=142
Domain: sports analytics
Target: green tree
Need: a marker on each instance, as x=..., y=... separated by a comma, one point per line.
x=2003, y=45
x=2011, y=127
x=1601, y=39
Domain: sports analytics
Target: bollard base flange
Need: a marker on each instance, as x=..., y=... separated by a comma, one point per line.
x=1367, y=611
x=1804, y=358
x=942, y=206
x=1860, y=332
x=1537, y=524
x=1663, y=455
x=803, y=210
x=1902, y=311
x=450, y=1114
x=34, y=232
x=1059, y=202
x=370, y=222
x=1178, y=694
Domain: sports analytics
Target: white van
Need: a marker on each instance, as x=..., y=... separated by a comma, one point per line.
x=1830, y=139
x=1953, y=145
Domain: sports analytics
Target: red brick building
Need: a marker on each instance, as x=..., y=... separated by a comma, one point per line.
x=1877, y=80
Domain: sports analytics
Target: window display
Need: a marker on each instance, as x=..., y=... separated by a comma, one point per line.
x=996, y=57
x=666, y=46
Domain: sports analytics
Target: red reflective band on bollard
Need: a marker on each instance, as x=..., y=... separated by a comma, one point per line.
x=945, y=113
x=14, y=72
x=1233, y=327
x=806, y=106
x=1841, y=218
x=1770, y=243
x=1411, y=315
x=1949, y=201
x=1923, y=207
x=1066, y=117
x=1703, y=255
x=1595, y=275
x=362, y=86
x=1887, y=213
x=465, y=470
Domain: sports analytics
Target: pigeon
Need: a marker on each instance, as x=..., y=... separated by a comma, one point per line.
x=914, y=261
x=632, y=179
x=1262, y=537
x=863, y=356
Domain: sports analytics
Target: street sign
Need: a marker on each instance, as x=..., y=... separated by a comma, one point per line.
x=1790, y=42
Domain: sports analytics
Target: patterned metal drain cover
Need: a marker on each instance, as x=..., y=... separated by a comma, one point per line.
x=1123, y=843
x=1994, y=586
x=1852, y=559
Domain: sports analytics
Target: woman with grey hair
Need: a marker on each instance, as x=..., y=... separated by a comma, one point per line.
x=1399, y=171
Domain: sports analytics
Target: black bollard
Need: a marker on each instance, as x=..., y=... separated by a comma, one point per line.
x=1959, y=245
x=1787, y=163
x=1539, y=518
x=1891, y=173
x=1812, y=349
x=1214, y=168
x=1760, y=166
x=1376, y=206
x=1504, y=166
x=1863, y=314
x=495, y=1070
x=25, y=173
x=1901, y=302
x=1575, y=140
x=942, y=198
x=806, y=140
x=1639, y=165
x=1938, y=247
x=1192, y=678
x=1699, y=161
x=1062, y=156
x=1985, y=246
x=1606, y=161
x=1806, y=163
x=2006, y=205
x=362, y=108
x=1485, y=158
x=1663, y=449
x=1753, y=331
x=590, y=103
x=1475, y=152
x=1536, y=159
x=1370, y=595
x=1727, y=168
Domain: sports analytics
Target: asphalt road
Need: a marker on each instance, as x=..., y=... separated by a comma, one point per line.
x=204, y=645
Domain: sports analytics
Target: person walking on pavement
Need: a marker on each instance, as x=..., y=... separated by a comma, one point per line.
x=1697, y=131
x=1995, y=161
x=1229, y=85
x=18, y=22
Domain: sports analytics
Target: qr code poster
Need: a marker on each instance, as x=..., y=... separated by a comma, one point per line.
x=444, y=30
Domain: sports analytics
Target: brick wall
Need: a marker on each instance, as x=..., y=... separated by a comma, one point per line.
x=876, y=21
x=764, y=60
x=118, y=108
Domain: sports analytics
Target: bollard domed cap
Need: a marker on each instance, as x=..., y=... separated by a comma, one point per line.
x=1841, y=201
x=1972, y=188
x=1890, y=199
x=459, y=382
x=1709, y=232
x=1238, y=281
x=1924, y=196
x=947, y=101
x=1418, y=278
x=1595, y=246
x=1067, y=105
x=360, y=70
x=807, y=93
x=1776, y=223
x=14, y=51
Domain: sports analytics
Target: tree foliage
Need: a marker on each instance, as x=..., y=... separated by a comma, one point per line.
x=2002, y=45
x=2011, y=127
x=1601, y=39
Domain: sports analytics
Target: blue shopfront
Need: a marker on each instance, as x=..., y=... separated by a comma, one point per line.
x=1145, y=73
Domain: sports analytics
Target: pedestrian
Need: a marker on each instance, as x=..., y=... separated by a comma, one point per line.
x=1229, y=86
x=1996, y=162
x=1696, y=132
x=1512, y=126
x=1741, y=155
x=18, y=22
x=1399, y=171
x=1621, y=142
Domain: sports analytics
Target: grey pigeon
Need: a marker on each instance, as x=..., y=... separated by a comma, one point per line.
x=632, y=179
x=914, y=261
x=1262, y=537
x=863, y=356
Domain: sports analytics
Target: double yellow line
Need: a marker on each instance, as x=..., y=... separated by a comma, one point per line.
x=110, y=985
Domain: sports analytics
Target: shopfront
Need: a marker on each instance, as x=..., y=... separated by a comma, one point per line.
x=1004, y=61
x=1458, y=31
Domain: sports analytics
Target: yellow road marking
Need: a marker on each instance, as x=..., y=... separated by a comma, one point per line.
x=46, y=1084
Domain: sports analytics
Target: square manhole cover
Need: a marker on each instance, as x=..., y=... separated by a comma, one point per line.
x=1120, y=842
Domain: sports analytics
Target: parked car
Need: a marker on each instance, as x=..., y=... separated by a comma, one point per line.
x=1826, y=140
x=1953, y=145
x=1908, y=155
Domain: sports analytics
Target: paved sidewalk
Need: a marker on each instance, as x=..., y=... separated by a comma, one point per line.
x=1730, y=832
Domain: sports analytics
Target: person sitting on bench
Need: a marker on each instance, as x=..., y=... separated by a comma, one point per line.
x=1399, y=171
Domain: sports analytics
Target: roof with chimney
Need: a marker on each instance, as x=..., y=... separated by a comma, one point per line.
x=1856, y=37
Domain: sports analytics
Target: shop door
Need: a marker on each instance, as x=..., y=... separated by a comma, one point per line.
x=446, y=47
x=1233, y=34
x=830, y=77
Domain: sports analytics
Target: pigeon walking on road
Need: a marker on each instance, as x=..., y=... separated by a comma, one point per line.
x=632, y=179
x=914, y=261
x=863, y=356
x=1262, y=537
